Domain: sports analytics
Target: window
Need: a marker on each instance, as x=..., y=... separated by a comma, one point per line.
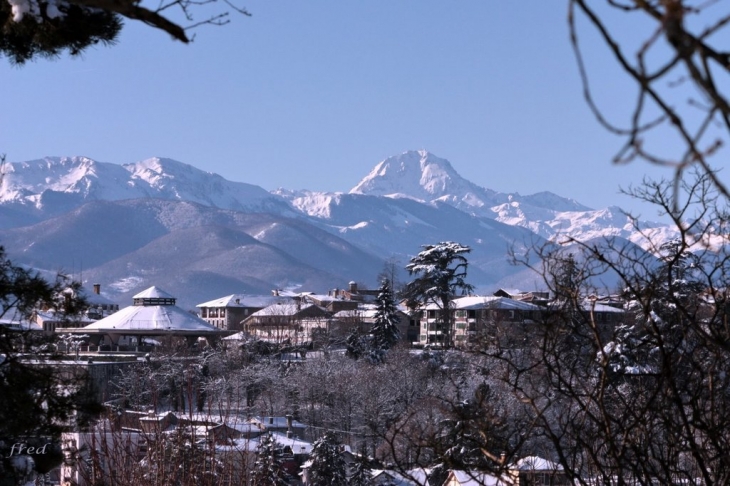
x=432, y=314
x=204, y=312
x=460, y=313
x=472, y=314
x=223, y=312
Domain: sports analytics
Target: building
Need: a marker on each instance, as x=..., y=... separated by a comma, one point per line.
x=153, y=316
x=363, y=318
x=287, y=322
x=474, y=317
x=229, y=312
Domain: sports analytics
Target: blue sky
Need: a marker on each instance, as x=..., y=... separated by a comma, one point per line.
x=313, y=94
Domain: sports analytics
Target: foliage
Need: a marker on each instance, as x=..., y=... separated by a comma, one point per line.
x=385, y=331
x=177, y=459
x=645, y=400
x=327, y=467
x=37, y=399
x=355, y=344
x=441, y=274
x=45, y=28
x=267, y=467
x=75, y=30
x=361, y=472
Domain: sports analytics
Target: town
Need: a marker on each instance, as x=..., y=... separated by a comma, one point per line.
x=355, y=386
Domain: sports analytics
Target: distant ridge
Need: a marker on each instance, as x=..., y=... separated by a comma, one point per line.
x=166, y=223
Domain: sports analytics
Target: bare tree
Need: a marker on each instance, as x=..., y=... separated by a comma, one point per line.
x=643, y=401
x=680, y=70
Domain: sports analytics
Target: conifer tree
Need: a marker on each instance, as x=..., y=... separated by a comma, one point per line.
x=441, y=274
x=385, y=331
x=328, y=467
x=361, y=473
x=266, y=469
x=355, y=346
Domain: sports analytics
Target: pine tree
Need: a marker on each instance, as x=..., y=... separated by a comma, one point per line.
x=266, y=469
x=43, y=35
x=385, y=331
x=328, y=467
x=361, y=473
x=441, y=270
x=355, y=345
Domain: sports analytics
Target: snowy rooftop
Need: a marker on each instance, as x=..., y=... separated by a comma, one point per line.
x=277, y=422
x=360, y=313
x=240, y=300
x=153, y=293
x=535, y=463
x=487, y=302
x=473, y=478
x=164, y=318
x=13, y=320
x=297, y=446
x=282, y=310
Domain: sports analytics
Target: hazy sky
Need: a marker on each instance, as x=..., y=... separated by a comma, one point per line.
x=313, y=94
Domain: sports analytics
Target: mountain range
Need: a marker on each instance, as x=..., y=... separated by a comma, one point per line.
x=199, y=236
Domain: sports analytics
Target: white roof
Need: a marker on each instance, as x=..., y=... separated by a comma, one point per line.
x=165, y=318
x=535, y=463
x=288, y=309
x=13, y=320
x=297, y=446
x=240, y=300
x=276, y=422
x=487, y=302
x=153, y=293
x=469, y=478
x=245, y=444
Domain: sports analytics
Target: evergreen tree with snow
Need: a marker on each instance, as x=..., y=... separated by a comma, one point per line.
x=355, y=345
x=440, y=271
x=361, y=473
x=385, y=331
x=266, y=468
x=328, y=467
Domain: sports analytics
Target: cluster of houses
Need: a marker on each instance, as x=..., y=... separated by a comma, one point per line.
x=286, y=318
x=233, y=442
x=297, y=318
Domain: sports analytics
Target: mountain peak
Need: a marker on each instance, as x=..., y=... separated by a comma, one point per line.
x=417, y=174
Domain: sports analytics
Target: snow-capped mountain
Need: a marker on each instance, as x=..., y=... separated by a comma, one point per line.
x=422, y=176
x=65, y=182
x=162, y=222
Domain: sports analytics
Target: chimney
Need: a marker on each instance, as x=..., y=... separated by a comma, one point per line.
x=353, y=287
x=238, y=301
x=97, y=289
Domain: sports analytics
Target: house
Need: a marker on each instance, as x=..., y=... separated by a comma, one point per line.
x=536, y=471
x=333, y=303
x=363, y=317
x=13, y=320
x=536, y=297
x=229, y=312
x=284, y=425
x=389, y=477
x=96, y=456
x=293, y=322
